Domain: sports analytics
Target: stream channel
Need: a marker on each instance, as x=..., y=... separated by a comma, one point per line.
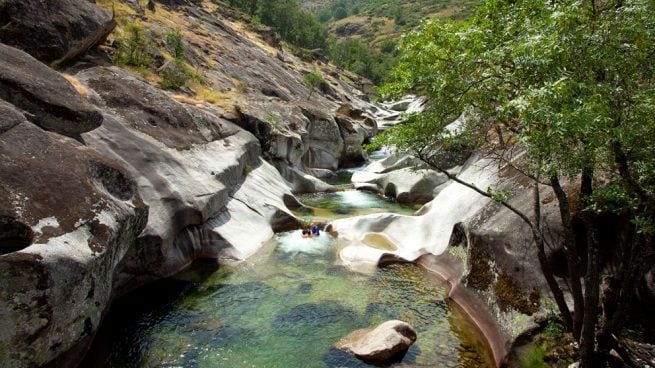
x=286, y=307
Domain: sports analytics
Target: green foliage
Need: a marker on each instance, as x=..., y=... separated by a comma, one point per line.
x=274, y=120
x=340, y=13
x=134, y=45
x=574, y=83
x=294, y=25
x=534, y=358
x=4, y=3
x=176, y=74
x=372, y=147
x=312, y=80
x=554, y=329
x=175, y=43
x=247, y=169
x=358, y=57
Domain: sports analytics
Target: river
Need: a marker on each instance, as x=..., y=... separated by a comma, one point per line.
x=286, y=307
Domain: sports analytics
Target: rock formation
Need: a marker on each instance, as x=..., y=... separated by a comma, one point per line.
x=380, y=345
x=494, y=244
x=404, y=178
x=53, y=31
x=108, y=182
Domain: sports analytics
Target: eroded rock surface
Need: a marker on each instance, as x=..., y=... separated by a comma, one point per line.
x=157, y=185
x=71, y=215
x=380, y=345
x=402, y=177
x=51, y=101
x=53, y=31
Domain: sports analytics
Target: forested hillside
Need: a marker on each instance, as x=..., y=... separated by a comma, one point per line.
x=363, y=33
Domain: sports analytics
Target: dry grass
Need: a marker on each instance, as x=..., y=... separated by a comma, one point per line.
x=223, y=99
x=80, y=88
x=187, y=100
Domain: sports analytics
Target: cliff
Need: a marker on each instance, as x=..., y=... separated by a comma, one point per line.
x=109, y=181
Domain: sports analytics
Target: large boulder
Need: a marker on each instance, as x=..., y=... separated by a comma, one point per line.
x=381, y=345
x=50, y=100
x=53, y=31
x=67, y=218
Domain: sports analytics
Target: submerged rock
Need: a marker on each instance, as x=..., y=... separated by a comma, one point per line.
x=381, y=345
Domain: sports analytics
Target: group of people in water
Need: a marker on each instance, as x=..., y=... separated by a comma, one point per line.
x=311, y=232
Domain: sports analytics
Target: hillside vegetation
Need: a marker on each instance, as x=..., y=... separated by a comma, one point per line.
x=363, y=33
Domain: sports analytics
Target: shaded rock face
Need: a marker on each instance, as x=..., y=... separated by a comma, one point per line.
x=384, y=344
x=502, y=257
x=82, y=220
x=64, y=210
x=51, y=101
x=53, y=31
x=298, y=137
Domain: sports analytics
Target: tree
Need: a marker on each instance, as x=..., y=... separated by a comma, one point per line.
x=572, y=83
x=312, y=80
x=174, y=41
x=133, y=46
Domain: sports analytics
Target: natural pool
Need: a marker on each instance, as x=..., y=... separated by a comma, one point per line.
x=285, y=307
x=349, y=203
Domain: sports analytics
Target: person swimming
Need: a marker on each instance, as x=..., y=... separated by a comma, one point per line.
x=306, y=233
x=315, y=230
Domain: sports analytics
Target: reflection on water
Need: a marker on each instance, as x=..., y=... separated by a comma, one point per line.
x=286, y=307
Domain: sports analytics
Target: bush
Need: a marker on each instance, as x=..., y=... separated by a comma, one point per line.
x=175, y=43
x=534, y=358
x=133, y=46
x=175, y=74
x=312, y=81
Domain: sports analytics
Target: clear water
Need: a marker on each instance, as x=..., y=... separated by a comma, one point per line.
x=285, y=307
x=348, y=203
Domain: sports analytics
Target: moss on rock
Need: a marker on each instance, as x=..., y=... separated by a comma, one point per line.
x=510, y=295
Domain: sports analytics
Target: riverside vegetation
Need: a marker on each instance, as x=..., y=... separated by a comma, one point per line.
x=563, y=92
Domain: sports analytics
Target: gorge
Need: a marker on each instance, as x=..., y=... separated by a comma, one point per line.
x=158, y=160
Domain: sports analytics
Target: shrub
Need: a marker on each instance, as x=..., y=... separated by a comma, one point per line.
x=133, y=46
x=534, y=358
x=312, y=80
x=175, y=43
x=247, y=169
x=174, y=75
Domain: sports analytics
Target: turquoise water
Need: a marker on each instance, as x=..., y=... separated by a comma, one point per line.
x=285, y=307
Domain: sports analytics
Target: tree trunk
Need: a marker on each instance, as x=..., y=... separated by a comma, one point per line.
x=545, y=265
x=592, y=284
x=571, y=253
